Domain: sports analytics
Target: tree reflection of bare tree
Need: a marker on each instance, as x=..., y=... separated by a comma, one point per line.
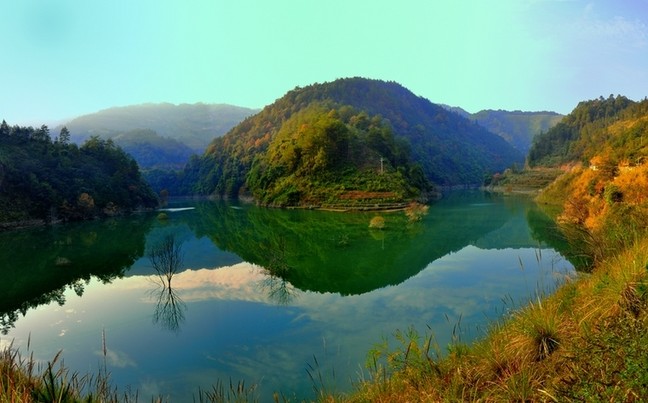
x=166, y=259
x=275, y=284
x=170, y=310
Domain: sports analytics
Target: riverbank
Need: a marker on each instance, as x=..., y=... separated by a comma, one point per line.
x=528, y=181
x=588, y=341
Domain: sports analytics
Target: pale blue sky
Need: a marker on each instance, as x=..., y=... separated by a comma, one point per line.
x=64, y=58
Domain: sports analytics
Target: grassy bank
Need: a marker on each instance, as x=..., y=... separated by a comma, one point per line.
x=588, y=341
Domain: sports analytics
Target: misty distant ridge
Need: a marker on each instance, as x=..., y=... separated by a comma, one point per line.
x=165, y=135
x=194, y=125
x=159, y=135
x=516, y=127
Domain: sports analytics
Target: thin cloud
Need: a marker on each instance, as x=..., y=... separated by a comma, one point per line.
x=117, y=359
x=617, y=31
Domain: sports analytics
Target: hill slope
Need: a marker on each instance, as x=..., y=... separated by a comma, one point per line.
x=151, y=150
x=517, y=127
x=43, y=179
x=159, y=135
x=194, y=125
x=449, y=149
x=592, y=127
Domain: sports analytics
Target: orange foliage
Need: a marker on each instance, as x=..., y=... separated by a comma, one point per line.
x=587, y=203
x=633, y=183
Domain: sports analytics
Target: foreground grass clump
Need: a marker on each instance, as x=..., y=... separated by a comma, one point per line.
x=588, y=341
x=26, y=380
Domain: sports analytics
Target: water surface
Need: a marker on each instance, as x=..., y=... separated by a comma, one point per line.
x=263, y=294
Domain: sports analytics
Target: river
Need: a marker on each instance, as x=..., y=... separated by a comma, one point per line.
x=287, y=301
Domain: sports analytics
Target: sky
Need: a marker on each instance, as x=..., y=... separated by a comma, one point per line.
x=65, y=58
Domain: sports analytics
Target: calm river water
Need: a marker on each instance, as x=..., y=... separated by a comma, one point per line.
x=264, y=296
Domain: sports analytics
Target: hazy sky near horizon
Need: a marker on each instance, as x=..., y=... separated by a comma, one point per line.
x=64, y=58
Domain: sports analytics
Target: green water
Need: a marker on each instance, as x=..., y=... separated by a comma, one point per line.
x=262, y=295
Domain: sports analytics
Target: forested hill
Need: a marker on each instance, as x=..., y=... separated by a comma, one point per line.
x=449, y=149
x=194, y=125
x=612, y=129
x=43, y=178
x=517, y=127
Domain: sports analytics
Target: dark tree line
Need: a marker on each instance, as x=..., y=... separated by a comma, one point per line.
x=44, y=178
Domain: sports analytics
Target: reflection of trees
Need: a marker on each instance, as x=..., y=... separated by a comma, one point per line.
x=166, y=259
x=544, y=229
x=275, y=284
x=170, y=309
x=333, y=252
x=43, y=263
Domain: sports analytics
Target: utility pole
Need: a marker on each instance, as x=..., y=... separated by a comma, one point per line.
x=381, y=165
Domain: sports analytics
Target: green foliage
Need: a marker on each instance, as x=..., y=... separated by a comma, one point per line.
x=585, y=132
x=517, y=127
x=151, y=150
x=320, y=154
x=44, y=179
x=318, y=133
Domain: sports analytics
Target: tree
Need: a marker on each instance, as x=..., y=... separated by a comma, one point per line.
x=5, y=130
x=166, y=259
x=42, y=134
x=64, y=136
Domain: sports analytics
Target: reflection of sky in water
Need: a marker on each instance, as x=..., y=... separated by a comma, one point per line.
x=232, y=330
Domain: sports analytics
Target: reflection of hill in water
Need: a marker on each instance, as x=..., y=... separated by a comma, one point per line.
x=526, y=227
x=317, y=251
x=335, y=252
x=38, y=264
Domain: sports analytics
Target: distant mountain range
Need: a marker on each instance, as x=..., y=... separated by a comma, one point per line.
x=517, y=127
x=165, y=135
x=159, y=135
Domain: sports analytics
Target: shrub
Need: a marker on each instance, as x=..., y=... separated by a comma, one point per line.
x=377, y=222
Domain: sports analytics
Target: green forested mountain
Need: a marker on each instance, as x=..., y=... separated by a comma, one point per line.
x=151, y=150
x=613, y=127
x=43, y=179
x=516, y=127
x=349, y=124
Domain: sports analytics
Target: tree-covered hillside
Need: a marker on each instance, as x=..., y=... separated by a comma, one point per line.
x=517, y=127
x=45, y=179
x=604, y=194
x=449, y=149
x=150, y=150
x=589, y=130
